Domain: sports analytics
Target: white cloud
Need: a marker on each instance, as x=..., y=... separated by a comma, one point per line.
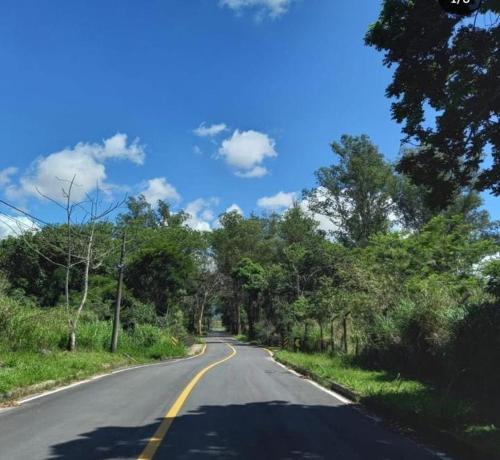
x=5, y=176
x=200, y=214
x=235, y=208
x=325, y=223
x=85, y=161
x=159, y=189
x=258, y=171
x=15, y=225
x=246, y=150
x=273, y=8
x=281, y=200
x=116, y=147
x=209, y=131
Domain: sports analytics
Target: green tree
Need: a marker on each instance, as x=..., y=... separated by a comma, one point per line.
x=236, y=238
x=356, y=192
x=451, y=64
x=161, y=269
x=251, y=277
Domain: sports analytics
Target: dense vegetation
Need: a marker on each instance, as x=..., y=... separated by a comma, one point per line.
x=395, y=283
x=398, y=298
x=449, y=63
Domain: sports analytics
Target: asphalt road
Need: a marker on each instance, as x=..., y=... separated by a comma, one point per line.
x=247, y=407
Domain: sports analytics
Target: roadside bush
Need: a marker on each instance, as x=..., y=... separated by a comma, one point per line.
x=413, y=335
x=476, y=351
x=29, y=328
x=265, y=333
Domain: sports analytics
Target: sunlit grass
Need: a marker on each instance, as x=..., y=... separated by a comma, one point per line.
x=410, y=401
x=33, y=342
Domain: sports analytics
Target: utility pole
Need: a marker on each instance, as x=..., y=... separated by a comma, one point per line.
x=116, y=317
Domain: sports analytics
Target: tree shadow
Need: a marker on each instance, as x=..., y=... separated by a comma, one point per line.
x=256, y=431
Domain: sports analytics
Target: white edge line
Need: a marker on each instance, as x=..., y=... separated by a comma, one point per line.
x=92, y=379
x=332, y=393
x=346, y=401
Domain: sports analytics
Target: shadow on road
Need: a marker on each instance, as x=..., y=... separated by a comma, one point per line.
x=258, y=431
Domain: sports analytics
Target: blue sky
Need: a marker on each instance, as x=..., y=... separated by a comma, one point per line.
x=185, y=100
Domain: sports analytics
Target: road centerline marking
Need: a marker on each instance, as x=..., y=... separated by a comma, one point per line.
x=157, y=438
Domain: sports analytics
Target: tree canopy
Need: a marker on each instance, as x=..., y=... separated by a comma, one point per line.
x=446, y=91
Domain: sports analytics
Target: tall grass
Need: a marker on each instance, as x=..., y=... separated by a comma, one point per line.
x=33, y=346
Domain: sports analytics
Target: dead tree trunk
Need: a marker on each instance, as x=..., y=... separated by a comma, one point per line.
x=83, y=300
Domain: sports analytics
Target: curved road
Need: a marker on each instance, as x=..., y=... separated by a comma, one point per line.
x=247, y=407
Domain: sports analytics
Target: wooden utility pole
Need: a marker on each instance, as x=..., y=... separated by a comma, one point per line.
x=118, y=305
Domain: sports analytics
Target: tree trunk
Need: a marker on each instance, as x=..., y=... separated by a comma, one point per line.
x=200, y=317
x=332, y=338
x=72, y=339
x=118, y=305
x=74, y=321
x=251, y=320
x=344, y=326
x=320, y=336
x=238, y=318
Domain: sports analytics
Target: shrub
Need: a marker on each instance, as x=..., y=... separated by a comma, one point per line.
x=476, y=350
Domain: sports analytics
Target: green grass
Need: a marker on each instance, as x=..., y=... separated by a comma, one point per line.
x=21, y=370
x=33, y=342
x=409, y=401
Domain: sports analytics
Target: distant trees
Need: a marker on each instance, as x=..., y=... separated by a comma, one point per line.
x=398, y=284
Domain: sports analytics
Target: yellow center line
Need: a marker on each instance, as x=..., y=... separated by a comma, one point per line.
x=155, y=441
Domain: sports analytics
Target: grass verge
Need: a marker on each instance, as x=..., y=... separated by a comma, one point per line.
x=33, y=342
x=449, y=421
x=23, y=373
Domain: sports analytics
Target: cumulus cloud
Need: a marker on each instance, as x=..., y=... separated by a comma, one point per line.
x=281, y=200
x=85, y=161
x=235, y=208
x=272, y=8
x=200, y=214
x=246, y=150
x=325, y=223
x=159, y=189
x=209, y=131
x=15, y=225
x=6, y=176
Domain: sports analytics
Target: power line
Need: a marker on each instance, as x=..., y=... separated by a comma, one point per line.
x=27, y=214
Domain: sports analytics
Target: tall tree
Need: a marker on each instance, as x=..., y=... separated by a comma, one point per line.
x=355, y=193
x=451, y=64
x=236, y=238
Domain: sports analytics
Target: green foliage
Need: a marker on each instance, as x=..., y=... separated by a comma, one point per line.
x=450, y=64
x=355, y=193
x=415, y=403
x=476, y=348
x=417, y=300
x=160, y=270
x=33, y=340
x=492, y=272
